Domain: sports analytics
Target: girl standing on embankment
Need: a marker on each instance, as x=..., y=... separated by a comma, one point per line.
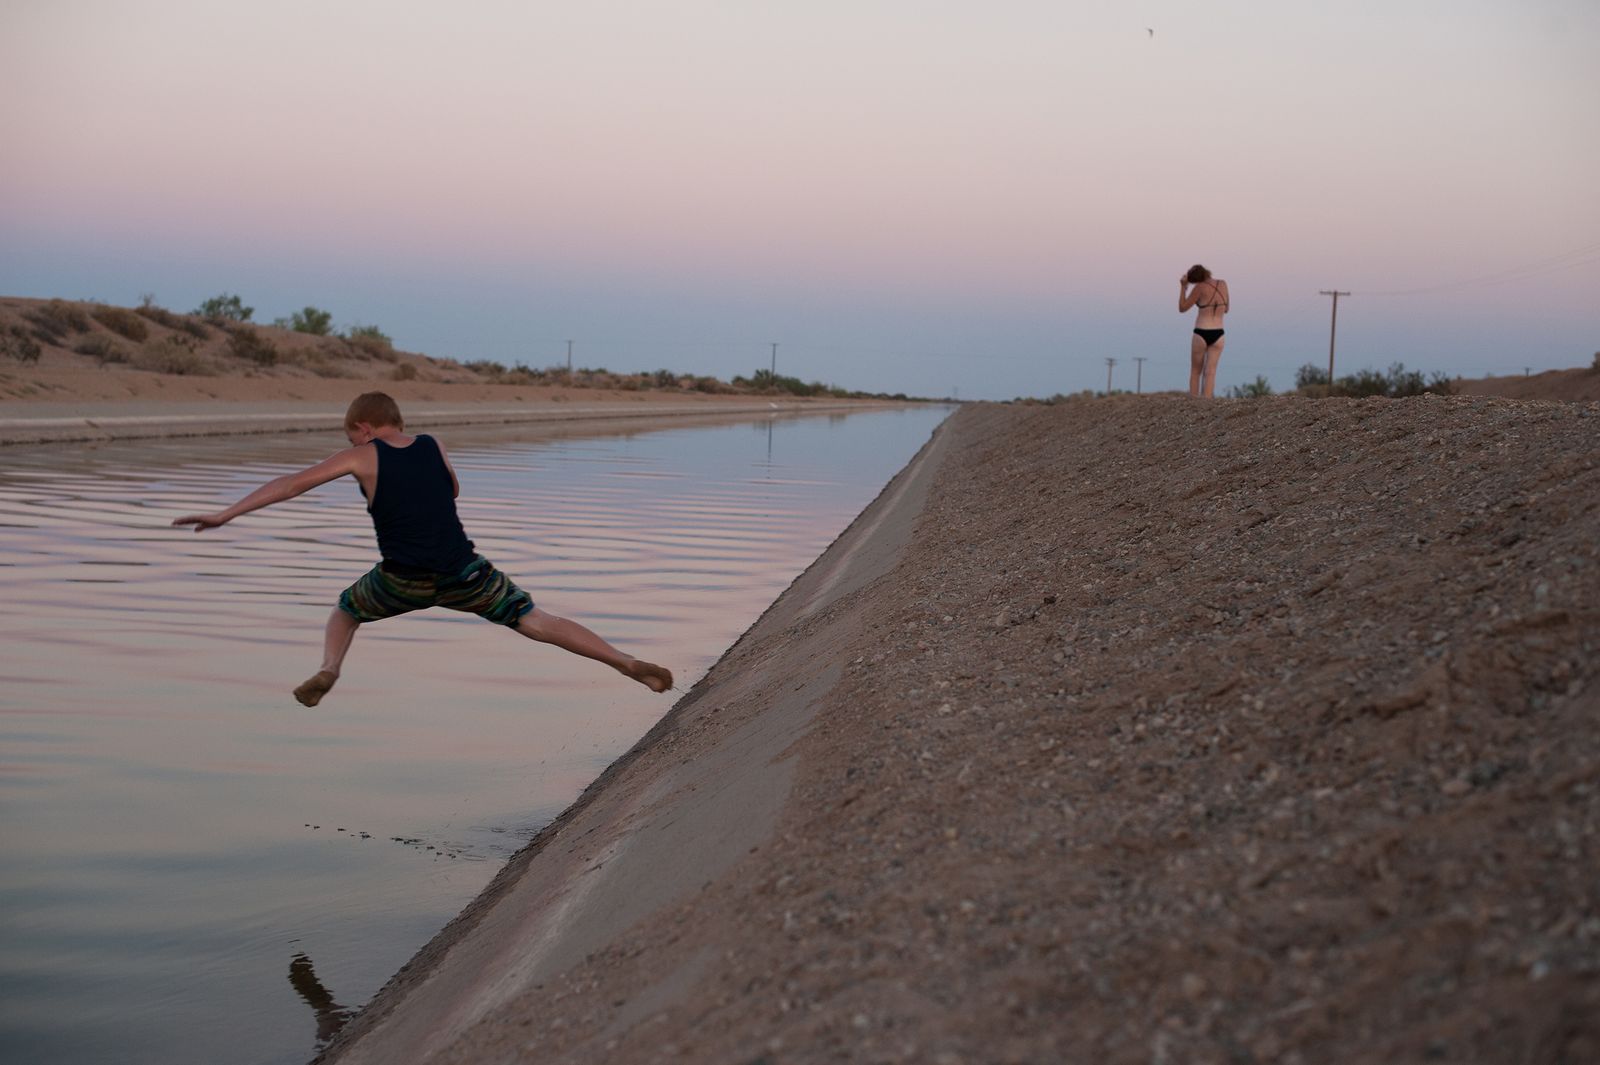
x=1205, y=346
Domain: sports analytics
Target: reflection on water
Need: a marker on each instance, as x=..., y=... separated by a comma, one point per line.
x=173, y=821
x=330, y=1015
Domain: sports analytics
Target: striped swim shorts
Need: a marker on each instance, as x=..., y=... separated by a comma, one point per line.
x=478, y=589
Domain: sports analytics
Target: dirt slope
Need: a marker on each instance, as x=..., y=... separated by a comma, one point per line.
x=1580, y=385
x=1181, y=732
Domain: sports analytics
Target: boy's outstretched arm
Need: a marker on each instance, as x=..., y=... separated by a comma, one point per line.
x=280, y=488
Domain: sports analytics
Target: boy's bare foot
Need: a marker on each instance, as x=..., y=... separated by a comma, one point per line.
x=311, y=692
x=656, y=678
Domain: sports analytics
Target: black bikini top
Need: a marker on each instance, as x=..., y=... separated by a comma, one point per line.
x=1216, y=290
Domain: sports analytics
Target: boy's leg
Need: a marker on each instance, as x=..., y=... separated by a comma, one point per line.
x=568, y=635
x=335, y=644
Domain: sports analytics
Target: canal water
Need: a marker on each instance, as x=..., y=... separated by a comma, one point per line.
x=196, y=869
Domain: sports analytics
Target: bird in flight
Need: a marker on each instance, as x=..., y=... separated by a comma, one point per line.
x=1150, y=31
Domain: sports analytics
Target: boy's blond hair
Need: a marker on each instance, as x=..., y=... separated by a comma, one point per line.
x=377, y=409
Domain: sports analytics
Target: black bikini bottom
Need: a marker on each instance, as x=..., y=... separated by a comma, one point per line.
x=1210, y=336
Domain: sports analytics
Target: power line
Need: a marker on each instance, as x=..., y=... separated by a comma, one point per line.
x=1569, y=260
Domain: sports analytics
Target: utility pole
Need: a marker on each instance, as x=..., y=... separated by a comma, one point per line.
x=1138, y=375
x=569, y=358
x=1110, y=362
x=774, y=361
x=1332, y=331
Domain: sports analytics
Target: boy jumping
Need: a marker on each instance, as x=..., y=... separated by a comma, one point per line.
x=411, y=491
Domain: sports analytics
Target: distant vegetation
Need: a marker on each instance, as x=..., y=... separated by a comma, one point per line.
x=150, y=337
x=123, y=322
x=175, y=353
x=1310, y=381
x=246, y=342
x=765, y=381
x=58, y=317
x=160, y=315
x=318, y=323
x=1254, y=390
x=18, y=344
x=1313, y=380
x=225, y=308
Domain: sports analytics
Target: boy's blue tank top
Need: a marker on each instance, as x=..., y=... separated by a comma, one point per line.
x=415, y=510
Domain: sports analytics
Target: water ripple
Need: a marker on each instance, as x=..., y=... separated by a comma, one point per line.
x=178, y=830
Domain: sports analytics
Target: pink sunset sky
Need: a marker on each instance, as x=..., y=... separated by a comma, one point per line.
x=920, y=197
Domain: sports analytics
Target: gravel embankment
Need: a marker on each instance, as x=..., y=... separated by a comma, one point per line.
x=1180, y=732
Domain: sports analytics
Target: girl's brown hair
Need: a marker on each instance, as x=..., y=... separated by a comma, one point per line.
x=1198, y=273
x=376, y=409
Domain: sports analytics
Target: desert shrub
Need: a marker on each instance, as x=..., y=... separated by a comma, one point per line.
x=405, y=371
x=172, y=354
x=1403, y=382
x=56, y=319
x=709, y=385
x=225, y=308
x=102, y=348
x=370, y=331
x=486, y=367
x=317, y=322
x=1361, y=384
x=16, y=343
x=1254, y=390
x=320, y=361
x=76, y=317
x=665, y=379
x=310, y=358
x=148, y=308
x=160, y=315
x=323, y=366
x=122, y=322
x=767, y=381
x=45, y=328
x=1396, y=382
x=1310, y=376
x=521, y=375
x=371, y=345
x=245, y=343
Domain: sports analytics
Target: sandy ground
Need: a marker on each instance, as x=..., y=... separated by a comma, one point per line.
x=1132, y=730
